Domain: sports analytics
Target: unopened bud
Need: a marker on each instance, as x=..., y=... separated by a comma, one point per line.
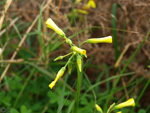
x=79, y=50
x=98, y=108
x=127, y=103
x=107, y=39
x=53, y=26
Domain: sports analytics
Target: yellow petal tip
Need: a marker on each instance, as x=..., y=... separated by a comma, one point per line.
x=52, y=84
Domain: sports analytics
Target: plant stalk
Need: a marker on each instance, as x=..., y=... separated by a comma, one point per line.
x=79, y=82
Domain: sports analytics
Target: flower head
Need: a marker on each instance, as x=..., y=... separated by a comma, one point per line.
x=90, y=4
x=79, y=50
x=107, y=39
x=127, y=103
x=53, y=26
x=98, y=108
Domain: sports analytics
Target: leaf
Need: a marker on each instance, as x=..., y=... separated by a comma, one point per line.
x=24, y=109
x=141, y=111
x=13, y=110
x=53, y=97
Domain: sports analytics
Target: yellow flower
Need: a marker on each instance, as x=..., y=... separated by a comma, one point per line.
x=127, y=103
x=53, y=26
x=79, y=50
x=98, y=108
x=79, y=62
x=90, y=4
x=59, y=74
x=107, y=39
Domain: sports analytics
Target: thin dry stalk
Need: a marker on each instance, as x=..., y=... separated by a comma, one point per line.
x=11, y=24
x=7, y=4
x=59, y=5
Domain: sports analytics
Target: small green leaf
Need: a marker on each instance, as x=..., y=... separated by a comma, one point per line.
x=141, y=111
x=13, y=110
x=24, y=109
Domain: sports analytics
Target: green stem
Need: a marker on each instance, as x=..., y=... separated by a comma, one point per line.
x=111, y=108
x=79, y=81
x=69, y=59
x=82, y=43
x=67, y=54
x=141, y=94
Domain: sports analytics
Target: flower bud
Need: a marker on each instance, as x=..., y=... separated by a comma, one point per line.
x=79, y=50
x=127, y=103
x=70, y=67
x=107, y=39
x=53, y=26
x=58, y=58
x=59, y=74
x=98, y=108
x=79, y=62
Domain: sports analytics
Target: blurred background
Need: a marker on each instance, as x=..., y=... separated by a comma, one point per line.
x=28, y=48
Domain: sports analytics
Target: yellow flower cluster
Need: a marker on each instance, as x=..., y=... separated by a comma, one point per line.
x=75, y=51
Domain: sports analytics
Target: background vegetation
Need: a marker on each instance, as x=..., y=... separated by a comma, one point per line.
x=113, y=72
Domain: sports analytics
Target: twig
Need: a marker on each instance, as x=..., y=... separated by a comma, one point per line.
x=7, y=4
x=59, y=5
